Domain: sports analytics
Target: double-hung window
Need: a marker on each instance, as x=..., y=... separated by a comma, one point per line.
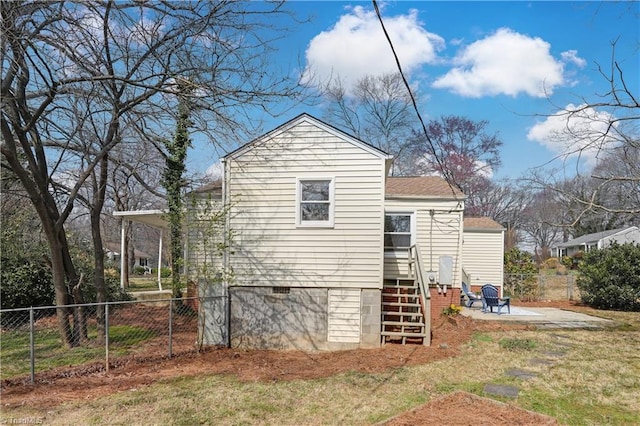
x=398, y=231
x=315, y=202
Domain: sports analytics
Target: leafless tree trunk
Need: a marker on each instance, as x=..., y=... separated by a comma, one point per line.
x=78, y=78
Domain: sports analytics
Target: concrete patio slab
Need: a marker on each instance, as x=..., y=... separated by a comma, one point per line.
x=541, y=317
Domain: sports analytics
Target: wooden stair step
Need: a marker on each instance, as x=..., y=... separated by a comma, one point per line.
x=402, y=334
x=403, y=304
x=398, y=285
x=408, y=284
x=397, y=290
x=400, y=295
x=403, y=323
x=402, y=314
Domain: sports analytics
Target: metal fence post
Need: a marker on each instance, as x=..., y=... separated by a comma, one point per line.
x=170, y=327
x=32, y=345
x=106, y=335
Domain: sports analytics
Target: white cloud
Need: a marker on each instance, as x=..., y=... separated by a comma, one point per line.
x=215, y=171
x=356, y=46
x=507, y=63
x=571, y=56
x=575, y=131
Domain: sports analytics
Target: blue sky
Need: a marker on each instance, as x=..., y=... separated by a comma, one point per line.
x=509, y=63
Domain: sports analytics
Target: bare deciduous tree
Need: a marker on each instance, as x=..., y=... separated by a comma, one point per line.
x=463, y=153
x=377, y=110
x=606, y=127
x=538, y=222
x=76, y=74
x=504, y=202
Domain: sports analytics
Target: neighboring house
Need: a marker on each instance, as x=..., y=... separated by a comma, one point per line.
x=319, y=249
x=112, y=253
x=598, y=240
x=483, y=252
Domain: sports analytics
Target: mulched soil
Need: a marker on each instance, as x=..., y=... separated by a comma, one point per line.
x=462, y=409
x=91, y=381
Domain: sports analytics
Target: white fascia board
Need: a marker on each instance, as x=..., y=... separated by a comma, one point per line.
x=153, y=218
x=306, y=118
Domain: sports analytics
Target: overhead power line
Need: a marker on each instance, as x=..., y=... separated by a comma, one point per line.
x=445, y=173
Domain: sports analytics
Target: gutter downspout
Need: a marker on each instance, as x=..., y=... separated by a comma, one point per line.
x=226, y=167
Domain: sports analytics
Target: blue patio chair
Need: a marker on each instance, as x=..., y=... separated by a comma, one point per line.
x=471, y=296
x=491, y=298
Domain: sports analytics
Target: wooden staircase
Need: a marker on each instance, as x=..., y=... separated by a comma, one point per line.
x=403, y=320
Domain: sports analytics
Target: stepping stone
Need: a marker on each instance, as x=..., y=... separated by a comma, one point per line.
x=561, y=336
x=501, y=390
x=540, y=361
x=553, y=354
x=521, y=374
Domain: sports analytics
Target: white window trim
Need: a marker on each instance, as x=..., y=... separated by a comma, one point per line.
x=401, y=252
x=315, y=223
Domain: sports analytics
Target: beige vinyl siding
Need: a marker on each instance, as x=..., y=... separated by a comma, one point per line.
x=446, y=239
x=343, y=322
x=205, y=231
x=483, y=257
x=269, y=249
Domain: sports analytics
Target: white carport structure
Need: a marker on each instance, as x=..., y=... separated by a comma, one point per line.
x=154, y=218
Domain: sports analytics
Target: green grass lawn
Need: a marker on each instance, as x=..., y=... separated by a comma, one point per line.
x=594, y=380
x=147, y=283
x=50, y=353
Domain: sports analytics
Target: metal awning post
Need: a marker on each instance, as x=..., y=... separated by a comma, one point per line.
x=160, y=261
x=122, y=269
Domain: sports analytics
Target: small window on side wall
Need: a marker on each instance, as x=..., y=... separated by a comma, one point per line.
x=315, y=203
x=398, y=231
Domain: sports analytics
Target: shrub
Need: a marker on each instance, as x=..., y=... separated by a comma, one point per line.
x=84, y=263
x=551, y=263
x=27, y=284
x=138, y=270
x=521, y=279
x=165, y=272
x=610, y=278
x=575, y=260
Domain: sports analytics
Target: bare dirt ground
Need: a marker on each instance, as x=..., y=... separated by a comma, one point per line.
x=91, y=381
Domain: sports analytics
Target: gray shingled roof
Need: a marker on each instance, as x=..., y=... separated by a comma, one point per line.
x=590, y=238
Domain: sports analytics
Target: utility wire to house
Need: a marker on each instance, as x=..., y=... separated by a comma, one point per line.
x=447, y=177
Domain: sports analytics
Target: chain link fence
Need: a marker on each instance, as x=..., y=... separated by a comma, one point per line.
x=111, y=334
x=536, y=287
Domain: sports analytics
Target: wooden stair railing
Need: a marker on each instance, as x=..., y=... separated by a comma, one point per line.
x=406, y=305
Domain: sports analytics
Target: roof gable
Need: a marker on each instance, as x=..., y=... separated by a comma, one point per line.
x=306, y=118
x=421, y=187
